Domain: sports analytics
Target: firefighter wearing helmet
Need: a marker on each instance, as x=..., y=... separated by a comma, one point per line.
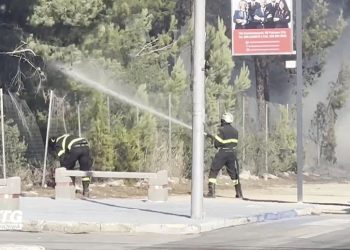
x=71, y=149
x=226, y=142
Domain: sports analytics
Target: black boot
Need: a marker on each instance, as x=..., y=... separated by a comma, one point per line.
x=238, y=190
x=211, y=190
x=86, y=188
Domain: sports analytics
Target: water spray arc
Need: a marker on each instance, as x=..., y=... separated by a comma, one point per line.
x=98, y=86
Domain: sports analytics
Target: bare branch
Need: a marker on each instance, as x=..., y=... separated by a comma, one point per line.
x=160, y=49
x=22, y=54
x=147, y=45
x=18, y=52
x=151, y=48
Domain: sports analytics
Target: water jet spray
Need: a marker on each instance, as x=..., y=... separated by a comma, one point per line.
x=71, y=72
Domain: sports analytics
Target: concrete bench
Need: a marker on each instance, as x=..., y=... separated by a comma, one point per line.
x=157, y=190
x=10, y=190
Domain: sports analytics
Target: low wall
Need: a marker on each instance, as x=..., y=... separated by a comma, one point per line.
x=157, y=191
x=10, y=190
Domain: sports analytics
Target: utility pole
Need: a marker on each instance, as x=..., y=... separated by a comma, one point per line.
x=47, y=138
x=79, y=125
x=300, y=84
x=169, y=132
x=3, y=135
x=198, y=111
x=266, y=136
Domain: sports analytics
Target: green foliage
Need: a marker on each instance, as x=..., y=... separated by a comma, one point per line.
x=220, y=59
x=177, y=84
x=133, y=145
x=66, y=12
x=242, y=81
x=100, y=135
x=322, y=131
x=128, y=151
x=255, y=148
x=339, y=89
x=15, y=149
x=318, y=36
x=282, y=144
x=220, y=65
x=220, y=91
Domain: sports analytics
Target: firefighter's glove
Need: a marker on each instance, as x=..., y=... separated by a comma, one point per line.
x=208, y=135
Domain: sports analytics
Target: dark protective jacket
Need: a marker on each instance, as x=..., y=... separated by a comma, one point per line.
x=227, y=137
x=66, y=142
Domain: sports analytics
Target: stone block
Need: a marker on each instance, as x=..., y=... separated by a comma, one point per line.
x=10, y=189
x=157, y=193
x=64, y=188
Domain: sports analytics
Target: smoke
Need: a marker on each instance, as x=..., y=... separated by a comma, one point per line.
x=343, y=136
x=337, y=55
x=342, y=133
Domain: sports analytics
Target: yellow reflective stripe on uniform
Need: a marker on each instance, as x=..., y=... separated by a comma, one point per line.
x=73, y=141
x=85, y=179
x=235, y=182
x=212, y=180
x=225, y=141
x=63, y=150
x=65, y=135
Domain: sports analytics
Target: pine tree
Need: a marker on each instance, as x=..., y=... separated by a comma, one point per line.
x=100, y=136
x=318, y=36
x=220, y=91
x=325, y=117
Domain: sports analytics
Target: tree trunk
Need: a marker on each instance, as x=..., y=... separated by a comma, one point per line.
x=262, y=91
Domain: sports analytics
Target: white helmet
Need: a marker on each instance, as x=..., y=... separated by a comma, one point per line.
x=227, y=117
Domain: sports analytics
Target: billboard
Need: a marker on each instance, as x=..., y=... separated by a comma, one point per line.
x=262, y=27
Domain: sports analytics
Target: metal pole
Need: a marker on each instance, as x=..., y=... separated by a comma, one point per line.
x=109, y=115
x=3, y=135
x=63, y=117
x=137, y=115
x=47, y=138
x=79, y=126
x=198, y=111
x=169, y=136
x=243, y=127
x=300, y=153
x=266, y=135
x=318, y=151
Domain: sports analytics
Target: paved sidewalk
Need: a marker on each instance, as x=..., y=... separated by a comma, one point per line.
x=137, y=215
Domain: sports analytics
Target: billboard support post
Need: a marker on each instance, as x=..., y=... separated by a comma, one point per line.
x=300, y=153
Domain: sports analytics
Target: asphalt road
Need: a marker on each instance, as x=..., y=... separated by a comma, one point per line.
x=311, y=232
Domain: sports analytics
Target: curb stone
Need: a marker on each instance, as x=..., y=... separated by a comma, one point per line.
x=194, y=228
x=20, y=247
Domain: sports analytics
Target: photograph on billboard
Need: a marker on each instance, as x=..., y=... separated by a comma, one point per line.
x=262, y=27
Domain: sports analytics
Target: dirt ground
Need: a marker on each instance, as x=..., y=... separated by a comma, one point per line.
x=315, y=189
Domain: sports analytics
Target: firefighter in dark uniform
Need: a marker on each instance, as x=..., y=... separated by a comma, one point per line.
x=226, y=141
x=70, y=149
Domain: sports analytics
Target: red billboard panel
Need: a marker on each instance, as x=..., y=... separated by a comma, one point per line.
x=261, y=27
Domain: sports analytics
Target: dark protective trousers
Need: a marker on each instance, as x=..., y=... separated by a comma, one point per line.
x=224, y=157
x=80, y=154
